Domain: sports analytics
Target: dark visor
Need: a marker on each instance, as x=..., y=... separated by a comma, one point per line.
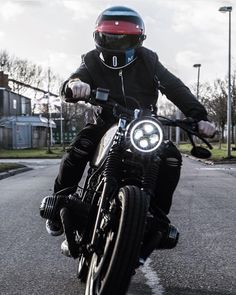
x=116, y=41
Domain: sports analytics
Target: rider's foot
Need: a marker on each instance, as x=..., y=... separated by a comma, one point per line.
x=167, y=239
x=65, y=249
x=54, y=228
x=170, y=239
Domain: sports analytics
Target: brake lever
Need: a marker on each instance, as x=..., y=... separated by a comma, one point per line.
x=204, y=140
x=190, y=134
x=193, y=131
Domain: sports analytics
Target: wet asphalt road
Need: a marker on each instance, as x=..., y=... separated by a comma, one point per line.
x=203, y=263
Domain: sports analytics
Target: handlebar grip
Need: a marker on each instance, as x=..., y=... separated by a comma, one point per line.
x=69, y=97
x=68, y=93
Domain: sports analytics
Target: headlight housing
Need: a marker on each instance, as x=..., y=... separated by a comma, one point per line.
x=146, y=135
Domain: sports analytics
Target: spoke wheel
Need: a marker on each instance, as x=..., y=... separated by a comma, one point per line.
x=112, y=265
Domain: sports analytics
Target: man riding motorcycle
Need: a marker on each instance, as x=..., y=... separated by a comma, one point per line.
x=121, y=64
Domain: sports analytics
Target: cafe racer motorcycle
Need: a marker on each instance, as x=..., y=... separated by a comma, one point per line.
x=115, y=235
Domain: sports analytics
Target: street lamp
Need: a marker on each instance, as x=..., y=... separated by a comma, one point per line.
x=229, y=101
x=198, y=66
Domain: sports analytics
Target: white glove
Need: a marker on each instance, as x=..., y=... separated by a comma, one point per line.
x=206, y=128
x=80, y=90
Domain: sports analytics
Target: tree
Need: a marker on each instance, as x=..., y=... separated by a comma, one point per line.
x=4, y=60
x=26, y=72
x=214, y=99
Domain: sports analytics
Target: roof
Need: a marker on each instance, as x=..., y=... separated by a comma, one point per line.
x=37, y=121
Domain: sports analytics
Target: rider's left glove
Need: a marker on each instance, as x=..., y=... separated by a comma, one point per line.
x=206, y=129
x=80, y=90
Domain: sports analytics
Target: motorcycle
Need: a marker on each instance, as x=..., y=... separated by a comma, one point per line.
x=113, y=237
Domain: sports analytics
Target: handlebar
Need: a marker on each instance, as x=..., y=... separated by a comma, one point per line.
x=101, y=97
x=189, y=125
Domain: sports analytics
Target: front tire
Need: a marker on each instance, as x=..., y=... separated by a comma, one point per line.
x=111, y=267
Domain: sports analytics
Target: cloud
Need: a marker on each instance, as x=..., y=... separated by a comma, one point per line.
x=187, y=58
x=82, y=10
x=60, y=62
x=2, y=35
x=33, y=3
x=10, y=10
x=200, y=15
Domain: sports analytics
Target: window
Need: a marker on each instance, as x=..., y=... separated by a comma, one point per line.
x=14, y=104
x=23, y=106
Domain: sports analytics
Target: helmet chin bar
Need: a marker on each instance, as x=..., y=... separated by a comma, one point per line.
x=116, y=60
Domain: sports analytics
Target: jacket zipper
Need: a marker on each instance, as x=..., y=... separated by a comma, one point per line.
x=122, y=82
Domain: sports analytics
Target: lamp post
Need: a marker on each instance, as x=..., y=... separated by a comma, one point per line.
x=49, y=130
x=229, y=100
x=198, y=66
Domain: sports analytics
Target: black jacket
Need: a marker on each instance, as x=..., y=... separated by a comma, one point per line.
x=140, y=80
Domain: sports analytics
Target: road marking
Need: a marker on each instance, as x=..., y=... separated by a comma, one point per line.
x=152, y=278
x=217, y=168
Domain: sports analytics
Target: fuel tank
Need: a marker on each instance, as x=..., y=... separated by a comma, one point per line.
x=104, y=146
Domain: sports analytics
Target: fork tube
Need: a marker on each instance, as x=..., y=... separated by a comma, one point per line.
x=102, y=201
x=150, y=177
x=111, y=180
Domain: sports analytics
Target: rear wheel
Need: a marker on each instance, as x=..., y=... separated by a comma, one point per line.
x=112, y=265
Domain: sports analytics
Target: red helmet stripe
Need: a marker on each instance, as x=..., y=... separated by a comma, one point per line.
x=118, y=27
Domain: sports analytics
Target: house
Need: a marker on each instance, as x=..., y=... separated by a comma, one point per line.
x=18, y=128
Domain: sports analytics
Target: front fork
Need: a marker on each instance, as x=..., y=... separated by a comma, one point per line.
x=111, y=179
x=110, y=186
x=150, y=176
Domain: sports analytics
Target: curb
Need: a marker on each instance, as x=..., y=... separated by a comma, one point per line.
x=208, y=162
x=14, y=172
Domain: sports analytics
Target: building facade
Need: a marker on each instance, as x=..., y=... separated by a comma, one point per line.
x=18, y=128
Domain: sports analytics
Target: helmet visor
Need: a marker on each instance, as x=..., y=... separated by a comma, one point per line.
x=117, y=41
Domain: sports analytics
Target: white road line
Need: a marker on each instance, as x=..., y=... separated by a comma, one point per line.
x=217, y=168
x=152, y=278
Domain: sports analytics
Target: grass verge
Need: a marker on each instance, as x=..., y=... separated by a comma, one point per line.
x=4, y=167
x=217, y=153
x=56, y=152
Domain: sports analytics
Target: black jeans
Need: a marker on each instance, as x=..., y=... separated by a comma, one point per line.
x=82, y=149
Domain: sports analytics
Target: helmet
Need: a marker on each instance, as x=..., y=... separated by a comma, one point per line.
x=119, y=31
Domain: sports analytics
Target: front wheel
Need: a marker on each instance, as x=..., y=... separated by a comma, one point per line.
x=112, y=266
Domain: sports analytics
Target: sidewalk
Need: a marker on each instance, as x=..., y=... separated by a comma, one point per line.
x=228, y=167
x=29, y=164
x=14, y=172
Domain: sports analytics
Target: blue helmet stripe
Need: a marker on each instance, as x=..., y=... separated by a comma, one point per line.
x=118, y=13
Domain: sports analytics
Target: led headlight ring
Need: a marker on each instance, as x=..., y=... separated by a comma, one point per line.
x=146, y=135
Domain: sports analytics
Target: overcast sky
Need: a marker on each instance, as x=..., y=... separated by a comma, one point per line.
x=182, y=32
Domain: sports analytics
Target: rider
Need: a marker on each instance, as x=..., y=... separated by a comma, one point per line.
x=121, y=64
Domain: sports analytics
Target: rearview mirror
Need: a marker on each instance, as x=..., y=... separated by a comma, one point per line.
x=200, y=152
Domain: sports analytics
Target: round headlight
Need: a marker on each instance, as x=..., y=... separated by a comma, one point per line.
x=146, y=135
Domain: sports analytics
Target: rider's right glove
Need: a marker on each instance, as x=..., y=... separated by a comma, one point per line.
x=80, y=90
x=206, y=128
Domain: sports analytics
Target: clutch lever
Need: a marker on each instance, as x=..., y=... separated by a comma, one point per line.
x=192, y=131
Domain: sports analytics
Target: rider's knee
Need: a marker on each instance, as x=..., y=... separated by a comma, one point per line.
x=81, y=149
